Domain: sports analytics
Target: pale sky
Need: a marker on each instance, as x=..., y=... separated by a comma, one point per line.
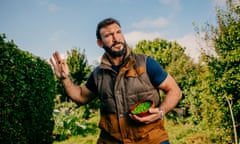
x=44, y=26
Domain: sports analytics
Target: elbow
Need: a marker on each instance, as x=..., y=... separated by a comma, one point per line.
x=179, y=94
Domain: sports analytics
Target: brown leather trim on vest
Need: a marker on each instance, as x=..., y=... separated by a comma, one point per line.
x=106, y=58
x=136, y=72
x=130, y=131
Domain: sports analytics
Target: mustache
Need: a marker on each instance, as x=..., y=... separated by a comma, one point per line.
x=117, y=43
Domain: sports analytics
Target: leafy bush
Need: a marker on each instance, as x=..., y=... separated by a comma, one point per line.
x=70, y=121
x=90, y=139
x=79, y=71
x=26, y=96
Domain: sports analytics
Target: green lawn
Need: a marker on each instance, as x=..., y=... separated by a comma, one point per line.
x=178, y=133
x=90, y=139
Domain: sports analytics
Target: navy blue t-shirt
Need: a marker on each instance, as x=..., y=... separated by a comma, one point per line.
x=155, y=72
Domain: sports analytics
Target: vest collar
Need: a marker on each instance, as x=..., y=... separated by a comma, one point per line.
x=105, y=60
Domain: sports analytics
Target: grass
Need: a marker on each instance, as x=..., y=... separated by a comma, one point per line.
x=178, y=134
x=90, y=139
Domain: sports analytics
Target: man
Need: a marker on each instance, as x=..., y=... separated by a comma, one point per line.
x=122, y=79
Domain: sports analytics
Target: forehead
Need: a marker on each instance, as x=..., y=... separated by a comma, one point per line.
x=110, y=28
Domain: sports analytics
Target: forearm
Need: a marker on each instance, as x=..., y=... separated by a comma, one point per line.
x=72, y=90
x=171, y=100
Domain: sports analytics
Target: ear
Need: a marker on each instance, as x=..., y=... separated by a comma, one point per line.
x=99, y=43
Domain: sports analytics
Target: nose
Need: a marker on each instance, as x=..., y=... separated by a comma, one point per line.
x=114, y=36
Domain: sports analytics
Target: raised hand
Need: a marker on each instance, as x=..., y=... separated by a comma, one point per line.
x=60, y=66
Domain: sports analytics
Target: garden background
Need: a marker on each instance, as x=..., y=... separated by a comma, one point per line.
x=34, y=107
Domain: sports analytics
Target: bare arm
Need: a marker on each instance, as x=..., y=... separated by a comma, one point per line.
x=79, y=94
x=173, y=94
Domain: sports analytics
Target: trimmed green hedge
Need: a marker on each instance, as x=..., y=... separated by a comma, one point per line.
x=27, y=92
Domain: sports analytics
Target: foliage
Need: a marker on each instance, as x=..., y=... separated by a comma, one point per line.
x=178, y=134
x=78, y=65
x=210, y=90
x=163, y=51
x=69, y=121
x=203, y=110
x=89, y=139
x=191, y=134
x=224, y=78
x=70, y=118
x=26, y=96
x=79, y=70
x=186, y=73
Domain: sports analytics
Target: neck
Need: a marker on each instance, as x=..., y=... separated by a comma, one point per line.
x=117, y=60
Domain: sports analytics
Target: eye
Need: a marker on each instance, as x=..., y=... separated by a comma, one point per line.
x=107, y=35
x=119, y=31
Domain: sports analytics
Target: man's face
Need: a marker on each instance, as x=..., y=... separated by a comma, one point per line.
x=113, y=40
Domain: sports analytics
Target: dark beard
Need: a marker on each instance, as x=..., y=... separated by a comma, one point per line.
x=116, y=53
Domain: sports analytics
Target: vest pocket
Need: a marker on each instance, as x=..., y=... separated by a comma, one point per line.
x=109, y=123
x=142, y=131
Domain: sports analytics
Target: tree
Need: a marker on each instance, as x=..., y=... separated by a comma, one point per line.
x=79, y=70
x=187, y=73
x=224, y=80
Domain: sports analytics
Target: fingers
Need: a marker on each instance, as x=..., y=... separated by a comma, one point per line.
x=64, y=68
x=139, y=119
x=154, y=112
x=52, y=62
x=59, y=65
x=57, y=57
x=57, y=61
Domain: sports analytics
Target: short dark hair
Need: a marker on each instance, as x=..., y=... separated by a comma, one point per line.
x=104, y=23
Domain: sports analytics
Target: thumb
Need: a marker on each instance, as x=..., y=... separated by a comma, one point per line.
x=153, y=110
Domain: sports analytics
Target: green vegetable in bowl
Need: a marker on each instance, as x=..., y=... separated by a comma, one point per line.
x=142, y=107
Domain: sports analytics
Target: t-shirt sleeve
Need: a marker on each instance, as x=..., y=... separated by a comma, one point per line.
x=155, y=72
x=90, y=84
